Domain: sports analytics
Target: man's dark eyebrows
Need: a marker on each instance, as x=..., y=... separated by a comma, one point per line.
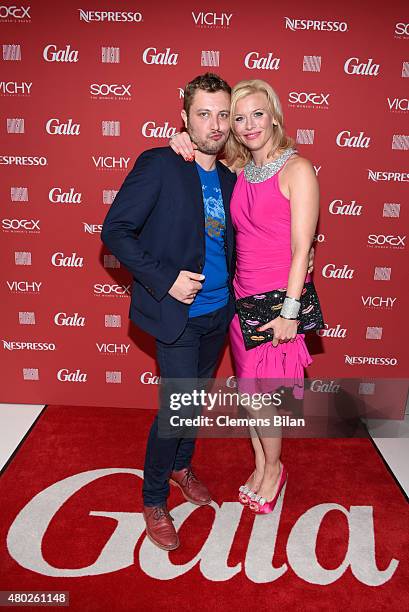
x=208, y=110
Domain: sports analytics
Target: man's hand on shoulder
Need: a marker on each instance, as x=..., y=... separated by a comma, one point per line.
x=186, y=286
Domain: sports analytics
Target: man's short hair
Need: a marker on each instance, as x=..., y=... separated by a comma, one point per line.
x=206, y=82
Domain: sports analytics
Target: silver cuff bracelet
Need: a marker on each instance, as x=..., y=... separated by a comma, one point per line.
x=290, y=308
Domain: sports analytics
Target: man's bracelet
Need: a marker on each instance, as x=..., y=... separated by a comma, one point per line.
x=290, y=308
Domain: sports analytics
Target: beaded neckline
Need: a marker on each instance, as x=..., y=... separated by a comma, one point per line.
x=254, y=174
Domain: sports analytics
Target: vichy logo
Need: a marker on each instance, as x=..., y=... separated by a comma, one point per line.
x=377, y=175
x=398, y=104
x=377, y=301
x=112, y=90
x=16, y=12
x=337, y=207
x=111, y=348
x=14, y=88
x=112, y=289
x=28, y=346
x=306, y=100
x=65, y=375
x=24, y=286
x=344, y=139
x=17, y=225
x=366, y=360
x=54, y=127
x=150, y=130
x=67, y=55
x=12, y=160
x=332, y=332
x=112, y=163
x=317, y=170
x=402, y=29
x=319, y=386
x=357, y=536
x=57, y=196
x=89, y=16
x=381, y=240
x=354, y=66
x=256, y=61
x=312, y=24
x=331, y=271
x=212, y=20
x=59, y=260
x=165, y=58
x=63, y=320
x=92, y=228
x=147, y=378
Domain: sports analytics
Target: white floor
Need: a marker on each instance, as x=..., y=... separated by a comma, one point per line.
x=16, y=420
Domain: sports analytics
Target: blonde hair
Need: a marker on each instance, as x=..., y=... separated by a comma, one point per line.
x=236, y=153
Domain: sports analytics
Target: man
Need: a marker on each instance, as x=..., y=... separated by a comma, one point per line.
x=170, y=226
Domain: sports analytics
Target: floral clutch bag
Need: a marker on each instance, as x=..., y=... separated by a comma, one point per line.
x=256, y=310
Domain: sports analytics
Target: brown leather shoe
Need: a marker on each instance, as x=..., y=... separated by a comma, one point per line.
x=159, y=527
x=193, y=490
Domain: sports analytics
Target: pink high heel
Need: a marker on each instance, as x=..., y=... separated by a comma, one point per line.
x=244, y=495
x=259, y=505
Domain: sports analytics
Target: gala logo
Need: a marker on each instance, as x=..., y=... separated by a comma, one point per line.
x=331, y=271
x=151, y=130
x=337, y=207
x=25, y=543
x=66, y=55
x=345, y=139
x=254, y=60
x=151, y=56
x=57, y=196
x=55, y=127
x=59, y=260
x=354, y=66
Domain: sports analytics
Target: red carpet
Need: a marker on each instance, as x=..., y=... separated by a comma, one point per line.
x=338, y=541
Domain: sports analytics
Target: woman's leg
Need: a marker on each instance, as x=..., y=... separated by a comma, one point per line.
x=272, y=451
x=256, y=477
x=270, y=439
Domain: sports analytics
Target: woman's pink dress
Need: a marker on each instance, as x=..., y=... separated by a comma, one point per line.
x=262, y=220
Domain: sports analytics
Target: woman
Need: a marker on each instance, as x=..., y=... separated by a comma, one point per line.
x=274, y=210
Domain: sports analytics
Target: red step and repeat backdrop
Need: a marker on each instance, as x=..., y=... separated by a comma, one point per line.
x=86, y=86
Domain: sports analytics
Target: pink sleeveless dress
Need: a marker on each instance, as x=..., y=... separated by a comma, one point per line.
x=262, y=221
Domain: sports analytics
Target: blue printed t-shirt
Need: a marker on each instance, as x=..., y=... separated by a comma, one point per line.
x=214, y=293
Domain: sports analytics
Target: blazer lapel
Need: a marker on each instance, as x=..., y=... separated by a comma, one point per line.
x=193, y=186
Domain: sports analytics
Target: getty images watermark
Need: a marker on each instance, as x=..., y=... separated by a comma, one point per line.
x=276, y=407
x=228, y=400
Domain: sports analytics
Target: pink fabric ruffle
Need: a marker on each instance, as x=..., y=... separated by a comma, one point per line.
x=266, y=368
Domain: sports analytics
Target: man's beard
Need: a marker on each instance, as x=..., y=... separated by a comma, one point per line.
x=208, y=147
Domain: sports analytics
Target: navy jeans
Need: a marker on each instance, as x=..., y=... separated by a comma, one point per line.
x=193, y=355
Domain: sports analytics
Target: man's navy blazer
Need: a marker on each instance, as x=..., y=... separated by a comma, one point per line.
x=156, y=228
